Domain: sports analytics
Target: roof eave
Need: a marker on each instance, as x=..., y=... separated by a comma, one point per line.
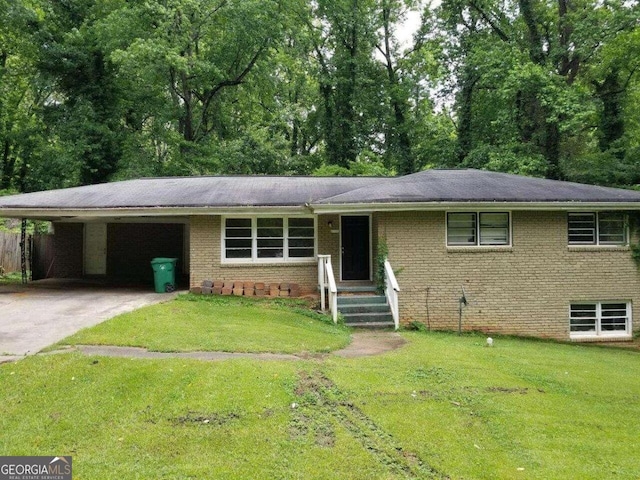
x=124, y=212
x=66, y=213
x=489, y=206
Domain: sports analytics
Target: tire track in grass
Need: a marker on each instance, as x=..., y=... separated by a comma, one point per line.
x=321, y=402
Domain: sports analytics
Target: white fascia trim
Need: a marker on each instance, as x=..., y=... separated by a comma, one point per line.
x=484, y=206
x=363, y=208
x=60, y=213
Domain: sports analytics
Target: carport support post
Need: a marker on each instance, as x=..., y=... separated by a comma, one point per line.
x=23, y=250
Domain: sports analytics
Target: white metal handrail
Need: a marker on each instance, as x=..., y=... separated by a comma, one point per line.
x=327, y=281
x=391, y=292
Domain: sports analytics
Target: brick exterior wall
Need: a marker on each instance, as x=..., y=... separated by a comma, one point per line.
x=329, y=243
x=68, y=245
x=525, y=289
x=132, y=246
x=205, y=247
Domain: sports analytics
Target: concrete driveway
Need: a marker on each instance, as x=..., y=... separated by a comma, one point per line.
x=35, y=316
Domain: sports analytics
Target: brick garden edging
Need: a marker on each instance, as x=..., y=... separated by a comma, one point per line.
x=248, y=289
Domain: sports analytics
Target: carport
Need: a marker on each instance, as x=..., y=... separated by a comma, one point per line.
x=116, y=250
x=111, y=232
x=119, y=250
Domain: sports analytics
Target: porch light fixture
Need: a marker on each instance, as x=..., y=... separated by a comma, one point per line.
x=330, y=224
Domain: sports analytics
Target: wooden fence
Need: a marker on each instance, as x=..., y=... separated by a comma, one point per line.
x=10, y=252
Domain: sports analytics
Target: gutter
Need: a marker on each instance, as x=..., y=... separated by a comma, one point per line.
x=485, y=206
x=151, y=212
x=70, y=213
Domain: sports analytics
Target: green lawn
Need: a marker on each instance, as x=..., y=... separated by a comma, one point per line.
x=552, y=410
x=215, y=323
x=443, y=406
x=11, y=278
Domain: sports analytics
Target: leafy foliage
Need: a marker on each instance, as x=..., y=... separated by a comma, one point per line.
x=98, y=91
x=381, y=257
x=543, y=81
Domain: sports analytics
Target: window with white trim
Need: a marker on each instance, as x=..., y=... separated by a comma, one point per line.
x=478, y=228
x=600, y=319
x=597, y=228
x=268, y=239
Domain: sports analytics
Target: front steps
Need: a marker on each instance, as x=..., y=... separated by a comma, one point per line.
x=361, y=307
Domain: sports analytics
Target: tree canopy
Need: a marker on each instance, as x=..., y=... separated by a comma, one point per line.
x=98, y=91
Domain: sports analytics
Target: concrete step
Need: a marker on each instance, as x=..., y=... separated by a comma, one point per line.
x=361, y=300
x=372, y=325
x=372, y=317
x=363, y=308
x=356, y=289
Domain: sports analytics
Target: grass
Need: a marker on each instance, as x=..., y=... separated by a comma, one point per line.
x=139, y=419
x=11, y=278
x=523, y=408
x=441, y=407
x=215, y=323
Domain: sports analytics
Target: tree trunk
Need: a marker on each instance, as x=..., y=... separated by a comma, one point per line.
x=569, y=60
x=406, y=164
x=533, y=35
x=552, y=150
x=399, y=136
x=345, y=95
x=332, y=143
x=8, y=165
x=465, y=114
x=611, y=121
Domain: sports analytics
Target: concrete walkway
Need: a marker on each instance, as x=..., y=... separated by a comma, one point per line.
x=363, y=344
x=135, y=352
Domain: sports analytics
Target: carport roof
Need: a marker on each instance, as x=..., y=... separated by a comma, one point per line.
x=428, y=189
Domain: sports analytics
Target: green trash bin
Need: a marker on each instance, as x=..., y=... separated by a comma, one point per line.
x=164, y=274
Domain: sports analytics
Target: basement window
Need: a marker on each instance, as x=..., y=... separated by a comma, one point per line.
x=268, y=239
x=478, y=229
x=598, y=228
x=600, y=319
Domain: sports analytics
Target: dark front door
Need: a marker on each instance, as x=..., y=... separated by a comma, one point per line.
x=355, y=247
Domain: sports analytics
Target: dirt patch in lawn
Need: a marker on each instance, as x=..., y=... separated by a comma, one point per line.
x=364, y=344
x=322, y=406
x=521, y=391
x=198, y=418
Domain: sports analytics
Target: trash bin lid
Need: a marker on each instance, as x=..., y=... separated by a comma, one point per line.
x=163, y=260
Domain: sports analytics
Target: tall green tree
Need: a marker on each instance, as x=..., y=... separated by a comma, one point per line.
x=342, y=37
x=22, y=94
x=522, y=82
x=85, y=112
x=187, y=63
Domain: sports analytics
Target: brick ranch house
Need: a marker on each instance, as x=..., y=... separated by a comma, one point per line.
x=535, y=257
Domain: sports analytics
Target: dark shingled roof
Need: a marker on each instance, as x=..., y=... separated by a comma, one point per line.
x=431, y=186
x=223, y=191
x=479, y=186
